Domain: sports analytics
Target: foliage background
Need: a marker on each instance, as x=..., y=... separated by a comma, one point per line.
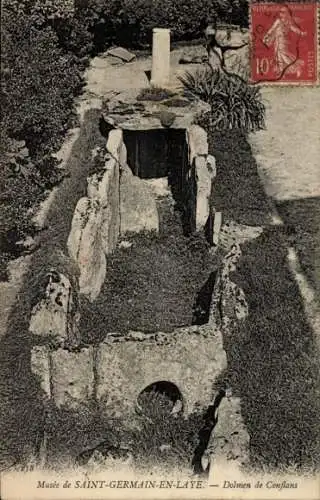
x=45, y=48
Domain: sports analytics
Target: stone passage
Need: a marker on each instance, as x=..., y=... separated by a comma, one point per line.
x=118, y=200
x=163, y=154
x=156, y=153
x=186, y=364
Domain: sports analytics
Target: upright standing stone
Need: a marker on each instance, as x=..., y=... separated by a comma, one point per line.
x=160, y=75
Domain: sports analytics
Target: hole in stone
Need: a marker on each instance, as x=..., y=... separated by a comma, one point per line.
x=160, y=398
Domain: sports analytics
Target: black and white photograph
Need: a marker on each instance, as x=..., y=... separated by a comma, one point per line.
x=160, y=250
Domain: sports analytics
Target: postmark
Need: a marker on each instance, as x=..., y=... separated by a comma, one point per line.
x=284, y=43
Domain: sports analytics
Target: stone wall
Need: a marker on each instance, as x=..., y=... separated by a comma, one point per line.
x=118, y=369
x=95, y=226
x=113, y=373
x=118, y=203
x=203, y=172
x=229, y=308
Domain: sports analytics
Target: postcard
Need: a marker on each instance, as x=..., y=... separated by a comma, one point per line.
x=160, y=250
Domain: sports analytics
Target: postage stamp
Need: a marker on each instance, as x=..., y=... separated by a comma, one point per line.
x=284, y=43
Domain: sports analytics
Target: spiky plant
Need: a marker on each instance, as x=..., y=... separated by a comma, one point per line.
x=235, y=104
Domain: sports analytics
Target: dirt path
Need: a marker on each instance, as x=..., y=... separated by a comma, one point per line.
x=288, y=151
x=287, y=154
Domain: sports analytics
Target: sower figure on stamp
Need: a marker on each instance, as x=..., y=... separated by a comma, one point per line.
x=278, y=35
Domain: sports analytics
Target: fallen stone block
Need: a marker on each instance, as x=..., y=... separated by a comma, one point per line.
x=138, y=208
x=114, y=61
x=121, y=53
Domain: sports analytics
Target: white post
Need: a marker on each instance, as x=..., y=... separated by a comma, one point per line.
x=160, y=75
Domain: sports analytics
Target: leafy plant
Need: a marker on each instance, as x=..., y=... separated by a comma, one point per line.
x=234, y=103
x=130, y=22
x=40, y=77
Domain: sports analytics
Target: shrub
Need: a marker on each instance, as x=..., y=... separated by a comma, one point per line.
x=130, y=22
x=22, y=181
x=40, y=77
x=40, y=88
x=234, y=103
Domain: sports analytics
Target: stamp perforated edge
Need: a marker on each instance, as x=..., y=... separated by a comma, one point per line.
x=317, y=45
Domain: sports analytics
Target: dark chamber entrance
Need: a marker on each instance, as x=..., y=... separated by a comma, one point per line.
x=154, y=154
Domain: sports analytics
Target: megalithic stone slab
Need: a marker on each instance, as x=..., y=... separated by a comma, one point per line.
x=40, y=367
x=160, y=75
x=122, y=54
x=72, y=377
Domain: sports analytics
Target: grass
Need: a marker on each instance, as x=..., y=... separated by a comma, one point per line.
x=280, y=404
x=151, y=286
x=238, y=191
x=163, y=439
x=21, y=410
x=160, y=440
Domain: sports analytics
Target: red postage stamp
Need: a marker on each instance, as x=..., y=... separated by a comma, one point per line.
x=284, y=42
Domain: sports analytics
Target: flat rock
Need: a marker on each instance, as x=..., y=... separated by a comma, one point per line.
x=138, y=208
x=121, y=53
x=128, y=114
